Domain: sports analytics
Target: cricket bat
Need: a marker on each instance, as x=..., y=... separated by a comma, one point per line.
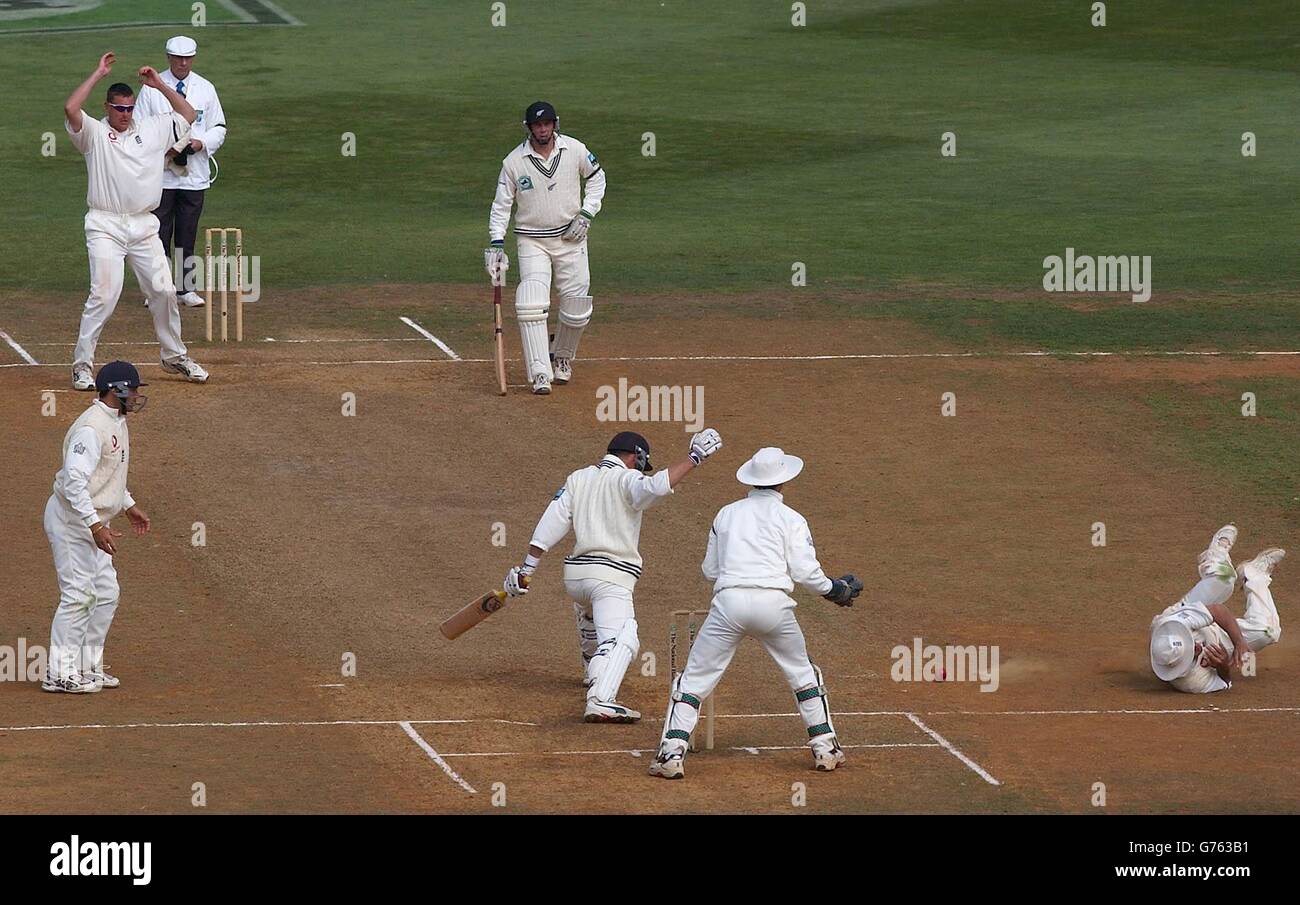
x=474, y=612
x=500, y=340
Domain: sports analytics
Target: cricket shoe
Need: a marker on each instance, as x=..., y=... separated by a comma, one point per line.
x=1214, y=560
x=103, y=679
x=70, y=685
x=187, y=367
x=827, y=759
x=83, y=378
x=190, y=299
x=541, y=385
x=609, y=712
x=1262, y=565
x=668, y=765
x=563, y=371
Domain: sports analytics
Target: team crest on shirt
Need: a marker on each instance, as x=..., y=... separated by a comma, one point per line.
x=139, y=140
x=112, y=136
x=525, y=183
x=79, y=449
x=591, y=157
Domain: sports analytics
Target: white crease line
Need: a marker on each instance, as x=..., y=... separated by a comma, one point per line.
x=952, y=749
x=436, y=757
x=838, y=713
x=638, y=752
x=718, y=358
x=13, y=344
x=259, y=723
x=430, y=337
x=269, y=339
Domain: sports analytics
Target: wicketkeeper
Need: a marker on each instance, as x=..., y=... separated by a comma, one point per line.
x=602, y=504
x=544, y=177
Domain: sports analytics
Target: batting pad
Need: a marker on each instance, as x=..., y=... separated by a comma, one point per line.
x=620, y=656
x=575, y=314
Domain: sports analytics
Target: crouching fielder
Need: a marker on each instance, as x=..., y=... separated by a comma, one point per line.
x=758, y=548
x=543, y=176
x=1196, y=642
x=602, y=504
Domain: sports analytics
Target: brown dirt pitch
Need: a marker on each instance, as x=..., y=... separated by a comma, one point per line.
x=329, y=536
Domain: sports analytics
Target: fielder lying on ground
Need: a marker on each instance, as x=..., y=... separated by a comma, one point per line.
x=1196, y=643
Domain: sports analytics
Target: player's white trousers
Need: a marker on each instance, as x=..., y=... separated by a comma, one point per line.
x=555, y=261
x=87, y=595
x=1261, y=625
x=605, y=607
x=737, y=613
x=112, y=239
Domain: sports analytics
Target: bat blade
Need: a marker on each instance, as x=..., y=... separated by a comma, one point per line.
x=500, y=340
x=470, y=615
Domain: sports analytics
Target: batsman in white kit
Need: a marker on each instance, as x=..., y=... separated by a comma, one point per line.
x=602, y=504
x=89, y=492
x=1197, y=642
x=544, y=178
x=124, y=164
x=758, y=549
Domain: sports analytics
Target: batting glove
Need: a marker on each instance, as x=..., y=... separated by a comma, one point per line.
x=495, y=262
x=516, y=583
x=578, y=227
x=705, y=444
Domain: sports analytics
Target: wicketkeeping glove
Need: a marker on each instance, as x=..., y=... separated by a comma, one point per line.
x=843, y=590
x=705, y=444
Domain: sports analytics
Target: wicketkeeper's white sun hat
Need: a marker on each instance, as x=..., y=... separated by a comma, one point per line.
x=769, y=467
x=1172, y=649
x=181, y=46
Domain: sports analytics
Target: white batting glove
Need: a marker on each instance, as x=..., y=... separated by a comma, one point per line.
x=496, y=263
x=578, y=226
x=705, y=444
x=516, y=583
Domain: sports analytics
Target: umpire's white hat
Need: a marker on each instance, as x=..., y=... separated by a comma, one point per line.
x=1173, y=649
x=769, y=467
x=181, y=46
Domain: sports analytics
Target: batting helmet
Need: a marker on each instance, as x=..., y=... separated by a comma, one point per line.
x=632, y=442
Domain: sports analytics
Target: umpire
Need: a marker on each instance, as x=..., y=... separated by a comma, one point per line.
x=190, y=168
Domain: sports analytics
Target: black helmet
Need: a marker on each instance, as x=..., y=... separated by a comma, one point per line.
x=538, y=111
x=117, y=372
x=119, y=377
x=632, y=442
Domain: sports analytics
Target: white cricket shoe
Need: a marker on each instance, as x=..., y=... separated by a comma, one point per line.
x=190, y=299
x=73, y=684
x=563, y=371
x=668, y=765
x=609, y=712
x=1262, y=564
x=190, y=369
x=1224, y=538
x=827, y=759
x=541, y=385
x=1214, y=560
x=83, y=378
x=103, y=679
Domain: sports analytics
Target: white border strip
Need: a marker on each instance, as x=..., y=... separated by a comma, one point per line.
x=429, y=336
x=260, y=723
x=637, y=752
x=952, y=749
x=437, y=758
x=13, y=344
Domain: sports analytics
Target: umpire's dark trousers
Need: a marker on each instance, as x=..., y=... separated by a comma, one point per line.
x=178, y=219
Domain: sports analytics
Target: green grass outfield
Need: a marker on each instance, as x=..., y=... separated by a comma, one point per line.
x=775, y=144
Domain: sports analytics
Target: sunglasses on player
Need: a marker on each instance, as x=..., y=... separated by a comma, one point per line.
x=123, y=108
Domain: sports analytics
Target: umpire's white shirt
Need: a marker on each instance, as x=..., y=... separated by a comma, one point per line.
x=124, y=169
x=759, y=542
x=602, y=503
x=548, y=193
x=209, y=127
